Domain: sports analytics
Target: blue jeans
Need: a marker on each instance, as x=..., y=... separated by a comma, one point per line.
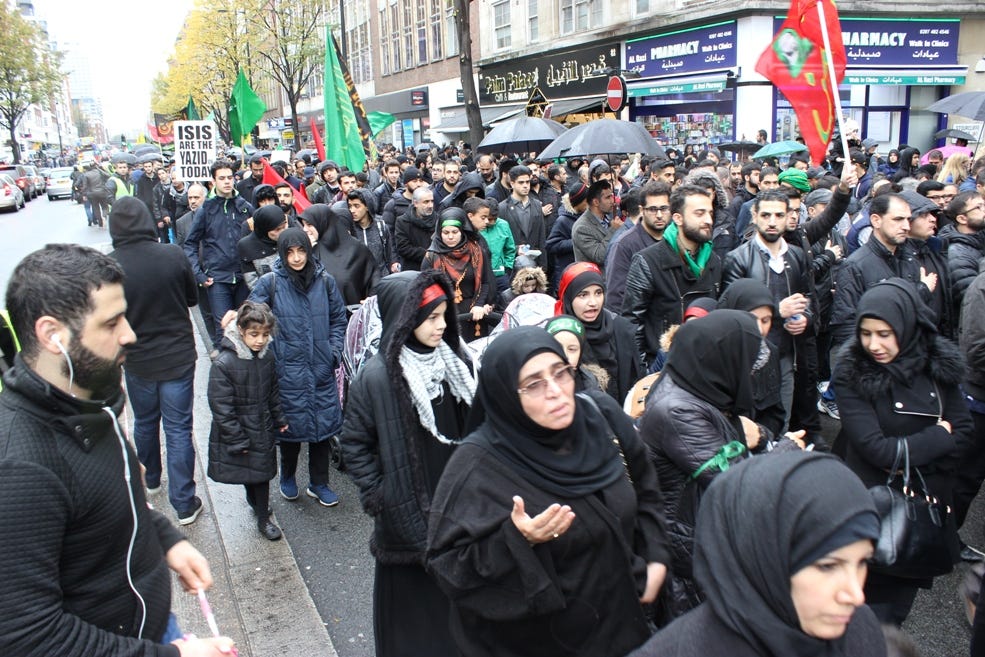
x=171, y=401
x=172, y=632
x=224, y=297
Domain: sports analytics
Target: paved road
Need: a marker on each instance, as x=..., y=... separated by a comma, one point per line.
x=330, y=545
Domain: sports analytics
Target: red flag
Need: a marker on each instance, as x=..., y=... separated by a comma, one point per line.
x=796, y=63
x=319, y=144
x=270, y=177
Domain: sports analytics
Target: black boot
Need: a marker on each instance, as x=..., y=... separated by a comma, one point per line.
x=267, y=528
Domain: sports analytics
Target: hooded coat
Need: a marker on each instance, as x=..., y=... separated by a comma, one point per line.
x=470, y=181
x=245, y=401
x=257, y=252
x=346, y=259
x=382, y=437
x=159, y=288
x=577, y=594
x=750, y=610
x=309, y=343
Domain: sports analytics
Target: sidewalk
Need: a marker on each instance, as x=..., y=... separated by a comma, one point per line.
x=259, y=598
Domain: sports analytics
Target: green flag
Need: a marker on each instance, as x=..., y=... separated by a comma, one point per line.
x=245, y=110
x=378, y=121
x=347, y=131
x=191, y=112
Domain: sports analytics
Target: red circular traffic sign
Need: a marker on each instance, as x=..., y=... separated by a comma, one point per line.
x=615, y=93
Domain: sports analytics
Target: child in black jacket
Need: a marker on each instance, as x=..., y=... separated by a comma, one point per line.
x=245, y=402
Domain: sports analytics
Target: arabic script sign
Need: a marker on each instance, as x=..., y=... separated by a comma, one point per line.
x=570, y=74
x=697, y=49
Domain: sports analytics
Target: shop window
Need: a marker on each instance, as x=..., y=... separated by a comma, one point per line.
x=501, y=24
x=680, y=130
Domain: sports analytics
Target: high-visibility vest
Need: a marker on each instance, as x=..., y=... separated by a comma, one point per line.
x=122, y=188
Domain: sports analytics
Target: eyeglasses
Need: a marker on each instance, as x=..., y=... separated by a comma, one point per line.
x=559, y=377
x=656, y=209
x=972, y=208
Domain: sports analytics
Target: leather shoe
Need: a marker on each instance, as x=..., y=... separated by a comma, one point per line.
x=268, y=529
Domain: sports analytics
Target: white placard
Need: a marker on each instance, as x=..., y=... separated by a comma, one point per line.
x=194, y=149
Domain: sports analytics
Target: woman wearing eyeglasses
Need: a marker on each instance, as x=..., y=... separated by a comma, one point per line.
x=546, y=529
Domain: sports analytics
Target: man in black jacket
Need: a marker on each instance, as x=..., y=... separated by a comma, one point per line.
x=665, y=277
x=246, y=186
x=160, y=371
x=85, y=558
x=964, y=240
x=414, y=229
x=785, y=270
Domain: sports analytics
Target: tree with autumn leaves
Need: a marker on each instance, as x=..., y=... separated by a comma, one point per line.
x=29, y=70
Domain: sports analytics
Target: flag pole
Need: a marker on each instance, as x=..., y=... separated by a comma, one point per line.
x=834, y=82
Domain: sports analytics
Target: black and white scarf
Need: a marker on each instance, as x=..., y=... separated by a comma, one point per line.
x=425, y=372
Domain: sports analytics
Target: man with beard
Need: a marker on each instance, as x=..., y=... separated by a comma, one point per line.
x=414, y=230
x=159, y=288
x=681, y=267
x=85, y=557
x=399, y=203
x=655, y=198
x=246, y=186
x=391, y=178
x=452, y=174
x=285, y=200
x=784, y=269
x=487, y=169
x=965, y=240
x=328, y=188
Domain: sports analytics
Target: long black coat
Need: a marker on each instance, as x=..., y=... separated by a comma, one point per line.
x=576, y=595
x=245, y=401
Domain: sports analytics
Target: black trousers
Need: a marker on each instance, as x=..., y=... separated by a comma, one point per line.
x=803, y=411
x=258, y=497
x=971, y=470
x=319, y=455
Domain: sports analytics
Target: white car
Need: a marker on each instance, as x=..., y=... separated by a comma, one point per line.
x=60, y=183
x=11, y=196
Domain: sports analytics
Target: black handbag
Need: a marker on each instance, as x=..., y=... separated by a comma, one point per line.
x=918, y=537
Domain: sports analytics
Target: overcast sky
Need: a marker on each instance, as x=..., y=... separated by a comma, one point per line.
x=127, y=43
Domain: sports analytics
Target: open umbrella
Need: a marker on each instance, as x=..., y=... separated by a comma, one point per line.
x=149, y=157
x=967, y=103
x=602, y=137
x=779, y=148
x=739, y=146
x=310, y=152
x=124, y=157
x=521, y=135
x=953, y=133
x=146, y=148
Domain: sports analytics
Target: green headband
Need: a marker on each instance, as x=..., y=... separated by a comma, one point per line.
x=451, y=222
x=569, y=324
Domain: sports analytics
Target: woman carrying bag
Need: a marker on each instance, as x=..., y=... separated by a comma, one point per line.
x=898, y=381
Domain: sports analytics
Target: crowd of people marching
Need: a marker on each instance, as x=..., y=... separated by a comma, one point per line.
x=645, y=470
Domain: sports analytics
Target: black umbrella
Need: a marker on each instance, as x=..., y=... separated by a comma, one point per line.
x=956, y=134
x=310, y=152
x=124, y=157
x=602, y=137
x=149, y=157
x=521, y=135
x=740, y=146
x=146, y=148
x=967, y=103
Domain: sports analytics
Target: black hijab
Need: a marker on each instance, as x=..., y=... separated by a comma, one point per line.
x=331, y=228
x=745, y=294
x=266, y=219
x=760, y=523
x=571, y=462
x=297, y=237
x=896, y=302
x=712, y=358
x=599, y=333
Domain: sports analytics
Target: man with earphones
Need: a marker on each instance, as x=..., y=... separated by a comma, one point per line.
x=85, y=560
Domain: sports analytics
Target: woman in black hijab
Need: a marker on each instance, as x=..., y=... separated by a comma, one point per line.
x=258, y=250
x=349, y=261
x=783, y=567
x=565, y=566
x=609, y=339
x=697, y=423
x=898, y=379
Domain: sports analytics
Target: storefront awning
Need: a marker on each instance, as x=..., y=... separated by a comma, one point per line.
x=714, y=83
x=944, y=75
x=561, y=108
x=454, y=119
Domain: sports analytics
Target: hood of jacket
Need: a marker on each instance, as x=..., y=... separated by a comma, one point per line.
x=234, y=340
x=705, y=178
x=945, y=365
x=130, y=222
x=471, y=180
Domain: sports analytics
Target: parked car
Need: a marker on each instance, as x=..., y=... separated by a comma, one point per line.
x=23, y=178
x=11, y=196
x=59, y=183
x=39, y=183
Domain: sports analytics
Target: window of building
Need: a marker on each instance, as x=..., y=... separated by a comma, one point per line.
x=360, y=54
x=390, y=36
x=533, y=27
x=501, y=24
x=436, y=37
x=384, y=43
x=642, y=7
x=408, y=31
x=451, y=32
x=421, y=30
x=580, y=15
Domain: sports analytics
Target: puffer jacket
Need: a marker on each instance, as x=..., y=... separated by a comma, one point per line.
x=217, y=227
x=246, y=411
x=964, y=253
x=659, y=287
x=311, y=332
x=683, y=432
x=66, y=511
x=382, y=431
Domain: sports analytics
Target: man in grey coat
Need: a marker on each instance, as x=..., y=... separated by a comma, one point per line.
x=593, y=230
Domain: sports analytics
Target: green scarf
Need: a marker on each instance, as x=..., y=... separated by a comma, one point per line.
x=704, y=251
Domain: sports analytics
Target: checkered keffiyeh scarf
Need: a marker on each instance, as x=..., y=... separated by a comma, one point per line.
x=425, y=373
